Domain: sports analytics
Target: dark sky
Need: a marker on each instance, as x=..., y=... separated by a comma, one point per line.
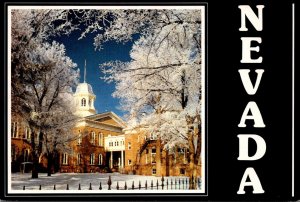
x=79, y=50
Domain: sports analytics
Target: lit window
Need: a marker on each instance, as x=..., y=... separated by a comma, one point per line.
x=100, y=139
x=100, y=159
x=27, y=133
x=65, y=159
x=153, y=137
x=79, y=139
x=83, y=102
x=14, y=129
x=153, y=155
x=93, y=138
x=92, y=159
x=129, y=162
x=129, y=145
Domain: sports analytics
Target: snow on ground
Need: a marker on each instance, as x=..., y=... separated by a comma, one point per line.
x=72, y=180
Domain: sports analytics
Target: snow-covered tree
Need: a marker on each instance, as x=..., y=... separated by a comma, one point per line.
x=42, y=78
x=161, y=86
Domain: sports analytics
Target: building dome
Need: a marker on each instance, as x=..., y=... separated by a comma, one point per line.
x=84, y=88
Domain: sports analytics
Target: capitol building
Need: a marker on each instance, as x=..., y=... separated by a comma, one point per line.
x=102, y=145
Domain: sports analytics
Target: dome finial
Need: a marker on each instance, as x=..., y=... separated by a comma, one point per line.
x=84, y=71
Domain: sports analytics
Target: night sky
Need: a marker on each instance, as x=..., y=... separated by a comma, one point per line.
x=79, y=50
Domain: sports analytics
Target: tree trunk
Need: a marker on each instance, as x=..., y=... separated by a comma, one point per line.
x=49, y=164
x=158, y=158
x=192, y=167
x=35, y=158
x=35, y=167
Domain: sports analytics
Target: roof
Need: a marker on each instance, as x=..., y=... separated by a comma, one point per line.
x=111, y=115
x=84, y=88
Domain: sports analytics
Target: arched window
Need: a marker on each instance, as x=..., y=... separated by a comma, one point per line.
x=26, y=155
x=78, y=159
x=100, y=159
x=83, y=102
x=93, y=138
x=65, y=159
x=92, y=159
x=100, y=139
x=27, y=133
x=14, y=129
x=79, y=139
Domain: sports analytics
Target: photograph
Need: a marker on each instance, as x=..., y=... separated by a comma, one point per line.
x=106, y=99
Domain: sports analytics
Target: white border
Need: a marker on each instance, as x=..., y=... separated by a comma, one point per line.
x=293, y=100
x=203, y=112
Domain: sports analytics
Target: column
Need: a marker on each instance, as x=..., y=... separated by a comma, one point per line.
x=119, y=162
x=122, y=159
x=111, y=159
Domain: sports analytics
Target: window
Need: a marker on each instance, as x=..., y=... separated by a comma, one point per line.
x=26, y=155
x=78, y=159
x=93, y=138
x=27, y=133
x=129, y=145
x=83, y=102
x=100, y=139
x=65, y=159
x=153, y=137
x=182, y=171
x=129, y=162
x=92, y=159
x=153, y=155
x=115, y=143
x=13, y=153
x=14, y=129
x=79, y=139
x=153, y=171
x=100, y=159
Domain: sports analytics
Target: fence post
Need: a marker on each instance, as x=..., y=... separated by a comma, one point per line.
x=171, y=183
x=132, y=185
x=167, y=183
x=139, y=184
x=90, y=186
x=109, y=183
x=157, y=184
x=146, y=184
x=67, y=186
x=54, y=187
x=24, y=187
x=125, y=187
x=40, y=187
x=151, y=184
x=162, y=182
x=79, y=187
x=117, y=185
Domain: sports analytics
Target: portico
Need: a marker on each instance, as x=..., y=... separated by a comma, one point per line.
x=115, y=148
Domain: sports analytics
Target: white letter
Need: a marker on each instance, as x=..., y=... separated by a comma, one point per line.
x=255, y=115
x=254, y=182
x=257, y=22
x=243, y=147
x=244, y=74
x=246, y=50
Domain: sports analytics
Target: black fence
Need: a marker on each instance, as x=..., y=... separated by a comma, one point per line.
x=160, y=184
